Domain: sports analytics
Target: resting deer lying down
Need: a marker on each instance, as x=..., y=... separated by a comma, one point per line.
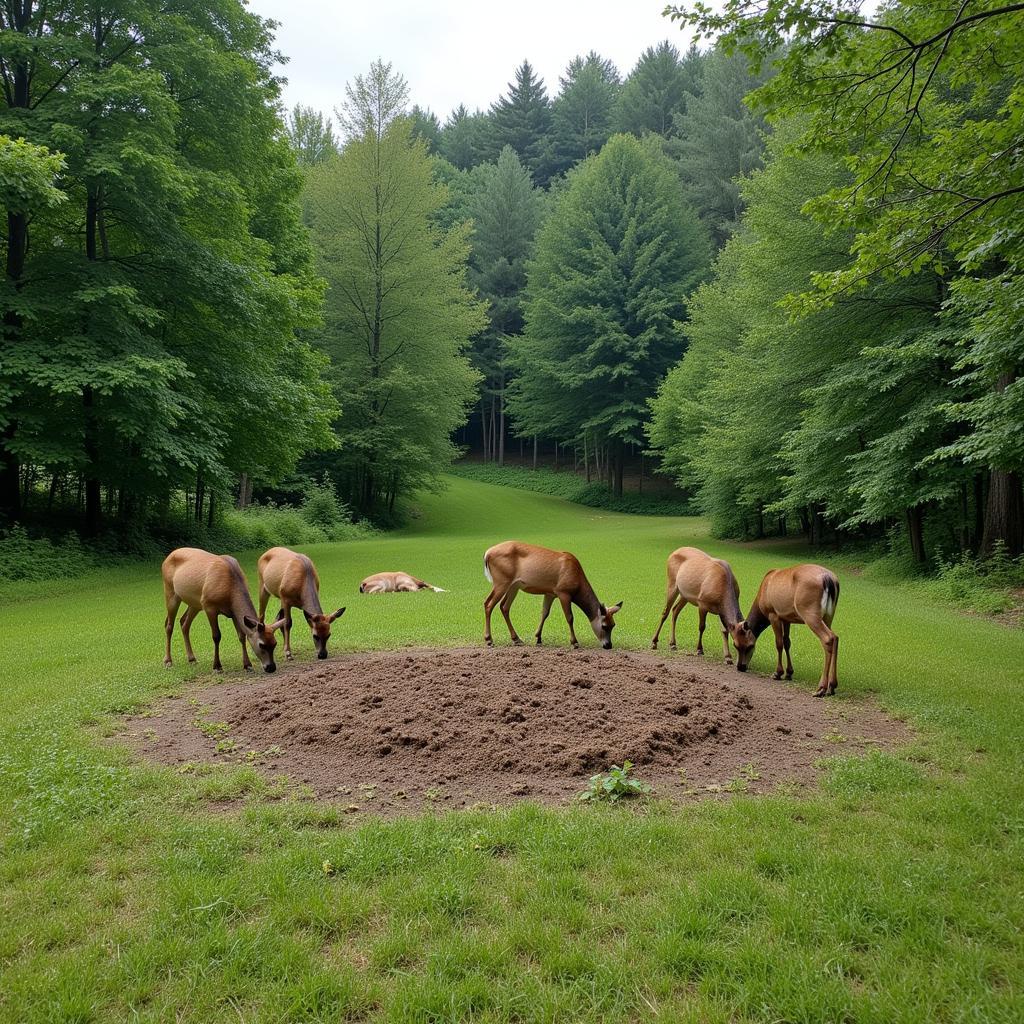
x=803, y=593
x=216, y=585
x=514, y=566
x=694, y=577
x=293, y=579
x=394, y=583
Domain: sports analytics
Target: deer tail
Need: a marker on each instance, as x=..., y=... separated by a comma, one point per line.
x=487, y=571
x=829, y=595
x=422, y=585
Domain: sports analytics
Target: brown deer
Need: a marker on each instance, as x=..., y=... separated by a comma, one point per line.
x=802, y=593
x=694, y=577
x=216, y=585
x=293, y=579
x=514, y=566
x=394, y=583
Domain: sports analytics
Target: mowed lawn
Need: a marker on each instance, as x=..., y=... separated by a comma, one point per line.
x=895, y=892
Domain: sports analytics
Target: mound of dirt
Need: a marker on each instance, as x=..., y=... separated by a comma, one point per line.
x=385, y=731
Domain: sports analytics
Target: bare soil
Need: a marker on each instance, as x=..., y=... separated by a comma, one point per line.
x=389, y=732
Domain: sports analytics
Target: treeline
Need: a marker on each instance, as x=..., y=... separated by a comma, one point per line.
x=157, y=272
x=592, y=216
x=854, y=367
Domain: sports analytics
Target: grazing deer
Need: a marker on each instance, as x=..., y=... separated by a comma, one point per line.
x=803, y=593
x=292, y=578
x=216, y=585
x=394, y=583
x=513, y=566
x=696, y=578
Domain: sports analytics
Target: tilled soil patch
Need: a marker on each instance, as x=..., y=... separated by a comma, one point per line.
x=388, y=731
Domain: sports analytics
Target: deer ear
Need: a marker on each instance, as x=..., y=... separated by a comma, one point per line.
x=276, y=625
x=615, y=609
x=337, y=615
x=249, y=622
x=309, y=618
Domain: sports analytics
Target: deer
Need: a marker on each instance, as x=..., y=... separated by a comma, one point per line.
x=394, y=583
x=513, y=566
x=293, y=579
x=694, y=577
x=805, y=594
x=216, y=585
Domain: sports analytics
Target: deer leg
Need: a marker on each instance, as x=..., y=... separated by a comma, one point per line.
x=215, y=633
x=545, y=611
x=680, y=605
x=786, y=644
x=829, y=645
x=246, y=663
x=777, y=630
x=286, y=611
x=489, y=602
x=726, y=653
x=701, y=623
x=173, y=604
x=833, y=681
x=669, y=598
x=186, y=631
x=506, y=605
x=566, y=602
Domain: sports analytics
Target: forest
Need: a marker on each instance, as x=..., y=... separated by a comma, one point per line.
x=781, y=265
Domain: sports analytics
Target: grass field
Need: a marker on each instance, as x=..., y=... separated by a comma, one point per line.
x=895, y=893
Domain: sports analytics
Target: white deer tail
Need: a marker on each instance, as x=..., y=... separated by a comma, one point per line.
x=487, y=571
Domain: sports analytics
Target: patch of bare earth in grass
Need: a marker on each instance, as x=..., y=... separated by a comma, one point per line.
x=394, y=731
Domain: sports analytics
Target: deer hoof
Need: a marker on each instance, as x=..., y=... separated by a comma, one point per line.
x=789, y=675
x=832, y=688
x=776, y=675
x=516, y=642
x=820, y=692
x=539, y=644
x=728, y=661
x=288, y=655
x=672, y=647
x=167, y=662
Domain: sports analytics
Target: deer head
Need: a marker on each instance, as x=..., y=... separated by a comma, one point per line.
x=604, y=623
x=262, y=640
x=321, y=627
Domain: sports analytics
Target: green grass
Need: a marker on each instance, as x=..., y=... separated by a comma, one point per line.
x=895, y=893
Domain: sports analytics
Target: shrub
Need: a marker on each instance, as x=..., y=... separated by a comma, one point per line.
x=25, y=558
x=614, y=784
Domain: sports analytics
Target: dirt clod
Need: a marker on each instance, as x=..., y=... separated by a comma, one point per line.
x=496, y=726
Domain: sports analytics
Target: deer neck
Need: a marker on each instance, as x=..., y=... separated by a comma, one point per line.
x=731, y=611
x=586, y=600
x=757, y=620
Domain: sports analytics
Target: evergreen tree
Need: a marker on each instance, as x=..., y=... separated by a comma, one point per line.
x=311, y=135
x=426, y=126
x=656, y=90
x=718, y=140
x=399, y=315
x=506, y=212
x=463, y=140
x=522, y=119
x=613, y=265
x=582, y=112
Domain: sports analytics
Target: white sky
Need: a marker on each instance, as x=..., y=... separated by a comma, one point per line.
x=453, y=51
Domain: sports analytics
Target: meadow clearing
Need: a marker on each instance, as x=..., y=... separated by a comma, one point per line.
x=133, y=892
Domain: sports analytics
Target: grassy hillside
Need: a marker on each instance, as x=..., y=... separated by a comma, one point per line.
x=893, y=894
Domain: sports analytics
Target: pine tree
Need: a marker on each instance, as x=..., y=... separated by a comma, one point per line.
x=522, y=119
x=463, y=140
x=614, y=263
x=582, y=112
x=426, y=126
x=718, y=140
x=506, y=212
x=656, y=89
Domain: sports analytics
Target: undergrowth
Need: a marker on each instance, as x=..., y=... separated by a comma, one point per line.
x=573, y=488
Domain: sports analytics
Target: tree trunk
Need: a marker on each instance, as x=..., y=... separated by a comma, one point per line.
x=535, y=452
x=501, y=421
x=92, y=452
x=620, y=462
x=915, y=532
x=586, y=458
x=1004, y=514
x=244, y=491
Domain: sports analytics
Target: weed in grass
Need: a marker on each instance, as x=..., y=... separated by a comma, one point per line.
x=614, y=785
x=226, y=746
x=213, y=730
